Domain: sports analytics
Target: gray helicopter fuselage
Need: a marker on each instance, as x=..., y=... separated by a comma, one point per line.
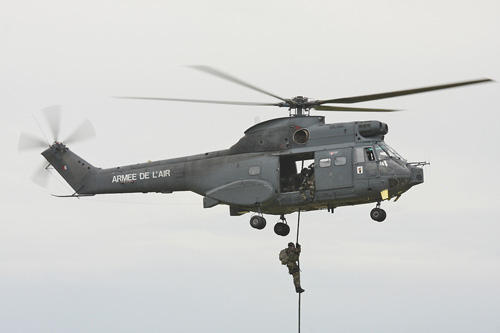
x=278, y=167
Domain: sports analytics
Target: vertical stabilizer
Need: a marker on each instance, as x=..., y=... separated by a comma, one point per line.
x=76, y=171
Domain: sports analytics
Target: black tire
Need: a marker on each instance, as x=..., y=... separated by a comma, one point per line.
x=287, y=230
x=255, y=221
x=378, y=214
x=262, y=224
x=281, y=229
x=258, y=222
x=384, y=215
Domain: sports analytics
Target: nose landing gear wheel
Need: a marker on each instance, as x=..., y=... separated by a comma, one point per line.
x=378, y=214
x=281, y=229
x=258, y=222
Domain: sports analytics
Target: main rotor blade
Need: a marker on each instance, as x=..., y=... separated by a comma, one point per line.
x=340, y=108
x=53, y=117
x=84, y=132
x=228, y=77
x=28, y=142
x=364, y=98
x=203, y=101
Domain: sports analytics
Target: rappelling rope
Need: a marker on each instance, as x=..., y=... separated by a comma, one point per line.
x=298, y=228
x=299, y=311
x=298, y=264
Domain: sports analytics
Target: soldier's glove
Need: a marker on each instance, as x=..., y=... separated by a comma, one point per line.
x=297, y=245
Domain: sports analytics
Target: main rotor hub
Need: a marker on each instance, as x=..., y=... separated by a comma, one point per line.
x=300, y=100
x=301, y=104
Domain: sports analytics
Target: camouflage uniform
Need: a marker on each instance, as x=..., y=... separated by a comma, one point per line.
x=307, y=183
x=292, y=264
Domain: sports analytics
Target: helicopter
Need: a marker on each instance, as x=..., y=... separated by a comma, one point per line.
x=280, y=166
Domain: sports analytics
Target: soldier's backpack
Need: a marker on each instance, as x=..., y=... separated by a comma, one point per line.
x=284, y=256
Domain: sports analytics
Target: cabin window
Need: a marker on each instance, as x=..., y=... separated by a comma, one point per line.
x=254, y=170
x=370, y=155
x=325, y=162
x=341, y=160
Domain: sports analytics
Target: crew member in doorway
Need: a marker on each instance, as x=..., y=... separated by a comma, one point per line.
x=307, y=182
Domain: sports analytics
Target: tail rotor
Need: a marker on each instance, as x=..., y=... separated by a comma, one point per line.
x=52, y=116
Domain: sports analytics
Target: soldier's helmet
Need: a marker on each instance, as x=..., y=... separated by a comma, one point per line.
x=291, y=244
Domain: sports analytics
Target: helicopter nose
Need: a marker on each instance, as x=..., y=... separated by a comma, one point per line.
x=405, y=178
x=416, y=176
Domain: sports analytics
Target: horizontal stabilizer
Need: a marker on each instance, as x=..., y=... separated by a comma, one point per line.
x=74, y=195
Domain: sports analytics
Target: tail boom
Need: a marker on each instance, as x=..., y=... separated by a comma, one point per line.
x=86, y=179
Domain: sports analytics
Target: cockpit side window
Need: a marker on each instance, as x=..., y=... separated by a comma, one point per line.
x=382, y=154
x=384, y=151
x=370, y=155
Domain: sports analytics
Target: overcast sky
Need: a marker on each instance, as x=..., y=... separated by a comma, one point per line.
x=162, y=263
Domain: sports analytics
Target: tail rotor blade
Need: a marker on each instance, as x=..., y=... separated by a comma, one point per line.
x=53, y=117
x=41, y=175
x=28, y=142
x=84, y=132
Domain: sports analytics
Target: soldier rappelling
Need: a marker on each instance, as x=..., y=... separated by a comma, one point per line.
x=290, y=258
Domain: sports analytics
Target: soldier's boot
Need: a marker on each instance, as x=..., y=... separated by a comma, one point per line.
x=299, y=290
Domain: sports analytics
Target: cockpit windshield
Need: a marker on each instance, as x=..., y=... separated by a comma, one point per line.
x=384, y=151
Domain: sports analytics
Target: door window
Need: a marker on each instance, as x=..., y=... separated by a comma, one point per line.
x=325, y=162
x=341, y=160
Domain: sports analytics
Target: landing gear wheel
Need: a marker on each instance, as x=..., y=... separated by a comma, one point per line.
x=258, y=222
x=378, y=214
x=281, y=229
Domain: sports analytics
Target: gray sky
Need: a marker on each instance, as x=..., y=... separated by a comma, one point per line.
x=157, y=263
